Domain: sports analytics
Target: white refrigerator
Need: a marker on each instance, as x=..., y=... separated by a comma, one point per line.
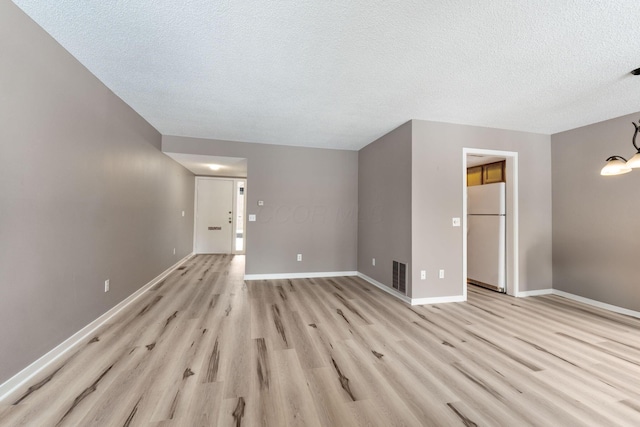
x=486, y=236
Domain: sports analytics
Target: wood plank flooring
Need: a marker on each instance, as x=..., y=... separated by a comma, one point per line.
x=205, y=348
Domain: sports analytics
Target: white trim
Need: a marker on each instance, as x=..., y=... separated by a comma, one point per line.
x=385, y=288
x=513, y=257
x=438, y=300
x=597, y=304
x=244, y=219
x=465, y=275
x=515, y=262
x=535, y=293
x=409, y=300
x=279, y=276
x=195, y=211
x=33, y=369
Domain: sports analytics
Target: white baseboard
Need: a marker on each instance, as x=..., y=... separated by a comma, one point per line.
x=409, y=300
x=535, y=293
x=299, y=275
x=30, y=371
x=598, y=304
x=437, y=300
x=385, y=288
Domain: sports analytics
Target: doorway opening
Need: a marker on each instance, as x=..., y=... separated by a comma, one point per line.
x=492, y=174
x=219, y=226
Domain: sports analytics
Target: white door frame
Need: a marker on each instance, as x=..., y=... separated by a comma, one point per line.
x=233, y=210
x=513, y=275
x=235, y=218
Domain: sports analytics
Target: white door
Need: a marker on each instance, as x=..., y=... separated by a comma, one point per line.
x=214, y=216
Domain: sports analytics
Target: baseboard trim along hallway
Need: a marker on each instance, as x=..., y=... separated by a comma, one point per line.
x=315, y=275
x=408, y=300
x=33, y=369
x=598, y=304
x=536, y=293
x=434, y=300
x=584, y=300
x=385, y=288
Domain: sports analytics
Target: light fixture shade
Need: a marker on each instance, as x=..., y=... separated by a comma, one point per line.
x=634, y=162
x=616, y=165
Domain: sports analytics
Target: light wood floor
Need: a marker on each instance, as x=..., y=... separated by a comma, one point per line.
x=205, y=348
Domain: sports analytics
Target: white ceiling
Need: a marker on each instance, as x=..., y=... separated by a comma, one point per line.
x=341, y=74
x=199, y=164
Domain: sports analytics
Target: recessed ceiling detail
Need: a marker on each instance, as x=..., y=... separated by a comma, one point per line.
x=201, y=164
x=341, y=74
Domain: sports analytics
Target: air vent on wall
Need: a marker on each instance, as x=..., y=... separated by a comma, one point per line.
x=400, y=277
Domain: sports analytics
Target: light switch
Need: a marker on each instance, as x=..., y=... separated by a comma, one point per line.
x=252, y=217
x=456, y=222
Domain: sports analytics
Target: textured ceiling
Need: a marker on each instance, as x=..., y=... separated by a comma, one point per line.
x=340, y=74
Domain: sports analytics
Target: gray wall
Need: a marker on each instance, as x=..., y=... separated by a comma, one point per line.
x=85, y=195
x=595, y=218
x=437, y=197
x=384, y=205
x=310, y=204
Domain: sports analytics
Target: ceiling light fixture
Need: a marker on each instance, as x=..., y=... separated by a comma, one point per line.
x=214, y=167
x=618, y=165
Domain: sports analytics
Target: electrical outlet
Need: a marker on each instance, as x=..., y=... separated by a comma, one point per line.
x=455, y=222
x=106, y=285
x=423, y=274
x=174, y=251
x=373, y=262
x=299, y=257
x=260, y=202
x=441, y=274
